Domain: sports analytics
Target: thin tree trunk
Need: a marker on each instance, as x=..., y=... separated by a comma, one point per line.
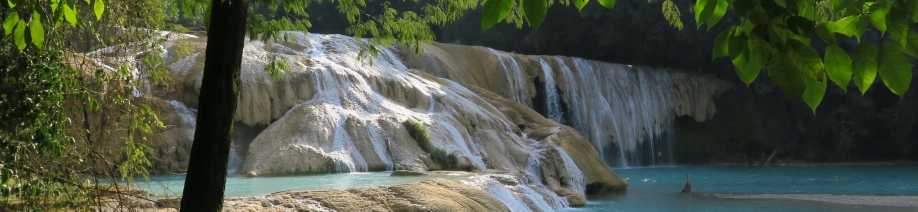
x=206, y=177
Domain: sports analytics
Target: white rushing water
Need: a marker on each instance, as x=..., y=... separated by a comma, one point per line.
x=624, y=111
x=551, y=93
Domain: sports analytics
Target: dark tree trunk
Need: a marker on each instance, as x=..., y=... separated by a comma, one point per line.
x=206, y=177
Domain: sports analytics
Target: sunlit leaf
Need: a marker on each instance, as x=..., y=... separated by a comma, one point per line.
x=878, y=13
x=894, y=69
x=864, y=66
x=736, y=46
x=69, y=12
x=806, y=9
x=98, y=7
x=851, y=26
x=19, y=35
x=494, y=11
x=720, y=8
x=720, y=43
x=11, y=20
x=579, y=4
x=813, y=93
x=806, y=59
x=838, y=66
x=534, y=11
x=607, y=3
x=785, y=74
x=746, y=68
x=703, y=11
x=36, y=30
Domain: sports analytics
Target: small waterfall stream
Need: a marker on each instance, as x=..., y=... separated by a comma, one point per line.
x=626, y=112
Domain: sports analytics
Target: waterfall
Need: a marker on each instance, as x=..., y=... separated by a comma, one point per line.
x=514, y=76
x=344, y=152
x=577, y=180
x=551, y=93
x=626, y=112
x=511, y=192
x=380, y=145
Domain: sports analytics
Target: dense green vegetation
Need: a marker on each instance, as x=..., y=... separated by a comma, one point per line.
x=419, y=133
x=68, y=123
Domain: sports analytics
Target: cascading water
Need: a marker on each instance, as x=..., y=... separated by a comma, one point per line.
x=514, y=74
x=551, y=93
x=624, y=111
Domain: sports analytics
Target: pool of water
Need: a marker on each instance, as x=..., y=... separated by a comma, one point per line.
x=172, y=185
x=657, y=189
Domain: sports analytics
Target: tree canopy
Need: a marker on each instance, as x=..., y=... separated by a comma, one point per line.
x=778, y=36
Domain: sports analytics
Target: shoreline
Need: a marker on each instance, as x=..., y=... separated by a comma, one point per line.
x=895, y=201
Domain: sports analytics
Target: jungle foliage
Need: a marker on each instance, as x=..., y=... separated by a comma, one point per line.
x=69, y=124
x=778, y=36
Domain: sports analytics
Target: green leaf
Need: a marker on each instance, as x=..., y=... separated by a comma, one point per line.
x=736, y=46
x=913, y=7
x=813, y=93
x=894, y=69
x=580, y=4
x=864, y=66
x=98, y=7
x=806, y=9
x=801, y=25
x=11, y=3
x=10, y=23
x=69, y=12
x=607, y=3
x=783, y=72
x=782, y=3
x=19, y=35
x=898, y=26
x=878, y=13
x=838, y=66
x=720, y=8
x=851, y=25
x=720, y=43
x=494, y=11
x=758, y=15
x=703, y=10
x=534, y=11
x=36, y=30
x=746, y=68
x=825, y=31
x=54, y=5
x=912, y=41
x=806, y=59
x=742, y=7
x=838, y=5
x=759, y=50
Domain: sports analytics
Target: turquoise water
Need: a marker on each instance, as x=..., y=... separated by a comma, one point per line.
x=650, y=189
x=657, y=189
x=171, y=185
